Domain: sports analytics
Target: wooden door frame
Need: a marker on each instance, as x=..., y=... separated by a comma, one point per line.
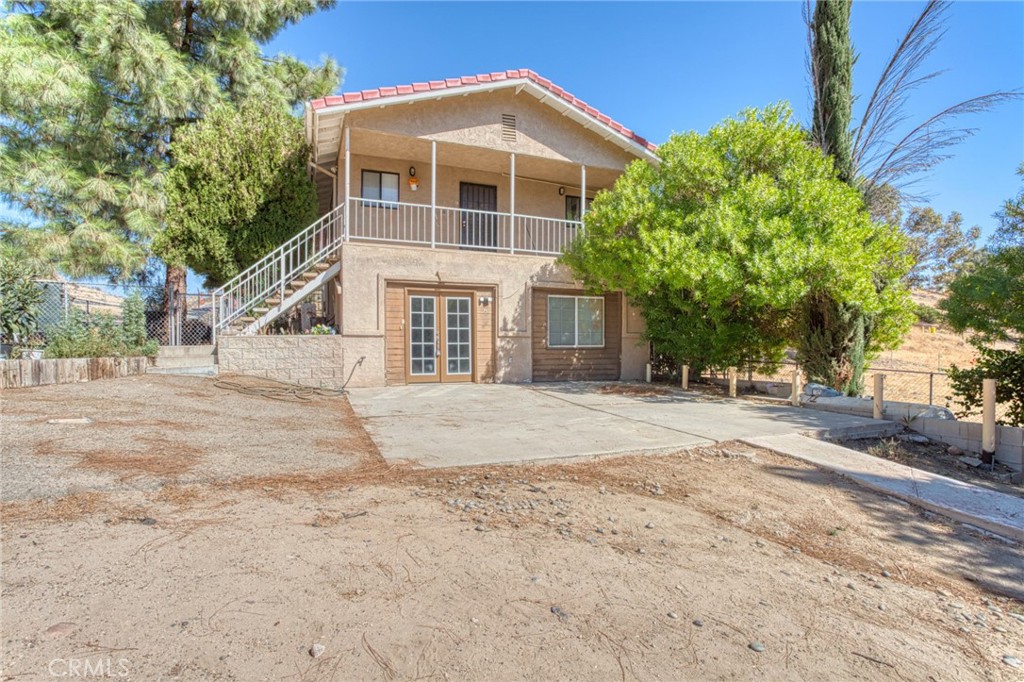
x=440, y=335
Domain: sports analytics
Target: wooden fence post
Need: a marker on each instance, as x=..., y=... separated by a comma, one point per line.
x=686, y=377
x=878, y=402
x=732, y=382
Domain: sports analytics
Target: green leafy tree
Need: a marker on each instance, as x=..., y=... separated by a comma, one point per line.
x=940, y=247
x=238, y=189
x=989, y=302
x=725, y=239
x=93, y=94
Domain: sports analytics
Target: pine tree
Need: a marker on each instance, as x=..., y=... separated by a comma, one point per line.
x=92, y=93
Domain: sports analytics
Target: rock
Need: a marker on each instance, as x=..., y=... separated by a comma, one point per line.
x=970, y=461
x=886, y=574
x=673, y=615
x=649, y=525
x=820, y=391
x=70, y=420
x=480, y=527
x=918, y=438
x=317, y=650
x=1011, y=661
x=954, y=451
x=851, y=586
x=881, y=607
x=60, y=629
x=756, y=646
x=562, y=615
x=1017, y=616
x=699, y=623
x=148, y=521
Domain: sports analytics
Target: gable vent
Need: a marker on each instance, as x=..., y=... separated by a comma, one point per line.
x=508, y=127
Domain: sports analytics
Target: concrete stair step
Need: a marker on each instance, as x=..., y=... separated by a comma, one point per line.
x=199, y=370
x=185, y=361
x=202, y=350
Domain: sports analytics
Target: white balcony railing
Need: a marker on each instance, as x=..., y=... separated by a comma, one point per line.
x=448, y=227
x=383, y=221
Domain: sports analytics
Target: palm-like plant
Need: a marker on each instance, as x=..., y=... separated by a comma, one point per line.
x=879, y=161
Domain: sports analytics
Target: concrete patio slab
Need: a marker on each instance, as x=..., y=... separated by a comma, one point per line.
x=470, y=424
x=993, y=511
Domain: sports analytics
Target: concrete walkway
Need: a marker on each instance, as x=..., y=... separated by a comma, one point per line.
x=445, y=425
x=993, y=511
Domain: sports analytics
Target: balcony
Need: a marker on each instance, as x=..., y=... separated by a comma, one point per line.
x=457, y=228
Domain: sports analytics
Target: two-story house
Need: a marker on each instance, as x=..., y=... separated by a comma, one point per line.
x=445, y=206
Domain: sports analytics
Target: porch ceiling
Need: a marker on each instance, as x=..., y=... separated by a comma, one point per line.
x=417, y=150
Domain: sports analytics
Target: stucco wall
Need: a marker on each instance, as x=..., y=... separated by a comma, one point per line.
x=366, y=269
x=532, y=198
x=305, y=360
x=475, y=120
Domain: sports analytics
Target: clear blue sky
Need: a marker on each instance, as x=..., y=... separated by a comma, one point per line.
x=665, y=67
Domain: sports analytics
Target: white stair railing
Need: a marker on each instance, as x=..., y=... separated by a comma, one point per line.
x=271, y=275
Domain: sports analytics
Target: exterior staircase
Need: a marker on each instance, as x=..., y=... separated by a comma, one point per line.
x=273, y=285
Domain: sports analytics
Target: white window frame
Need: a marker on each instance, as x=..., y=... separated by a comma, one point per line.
x=576, y=321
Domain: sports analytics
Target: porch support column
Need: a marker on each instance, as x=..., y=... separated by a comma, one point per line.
x=512, y=204
x=348, y=180
x=433, y=193
x=583, y=191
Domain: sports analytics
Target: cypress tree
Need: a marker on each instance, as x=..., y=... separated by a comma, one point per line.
x=832, y=61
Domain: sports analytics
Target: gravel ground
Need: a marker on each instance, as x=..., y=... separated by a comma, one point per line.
x=715, y=563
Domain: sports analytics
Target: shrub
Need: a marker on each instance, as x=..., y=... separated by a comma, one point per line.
x=19, y=302
x=322, y=330
x=1007, y=368
x=102, y=335
x=928, y=314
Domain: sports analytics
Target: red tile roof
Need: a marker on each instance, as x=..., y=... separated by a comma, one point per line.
x=479, y=79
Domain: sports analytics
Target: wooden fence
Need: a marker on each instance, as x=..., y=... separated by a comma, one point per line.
x=27, y=373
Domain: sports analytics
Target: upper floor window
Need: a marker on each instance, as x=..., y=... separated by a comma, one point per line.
x=572, y=207
x=380, y=185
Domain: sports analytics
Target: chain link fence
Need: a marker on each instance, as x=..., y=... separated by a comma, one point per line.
x=901, y=385
x=185, y=320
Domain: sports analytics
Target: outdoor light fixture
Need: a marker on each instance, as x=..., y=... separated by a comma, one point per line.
x=412, y=171
x=414, y=182
x=561, y=191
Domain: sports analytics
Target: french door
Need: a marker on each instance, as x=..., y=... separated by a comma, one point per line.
x=440, y=337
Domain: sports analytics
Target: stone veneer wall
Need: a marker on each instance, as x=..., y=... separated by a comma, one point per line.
x=306, y=360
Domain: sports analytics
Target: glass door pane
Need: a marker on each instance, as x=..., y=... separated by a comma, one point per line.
x=458, y=342
x=422, y=335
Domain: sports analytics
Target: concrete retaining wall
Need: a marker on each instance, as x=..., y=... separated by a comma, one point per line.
x=967, y=437
x=964, y=435
x=305, y=360
x=28, y=373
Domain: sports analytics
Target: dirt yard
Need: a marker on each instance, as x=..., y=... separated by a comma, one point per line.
x=276, y=544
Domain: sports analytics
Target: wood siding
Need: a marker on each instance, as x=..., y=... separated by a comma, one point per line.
x=396, y=320
x=576, y=364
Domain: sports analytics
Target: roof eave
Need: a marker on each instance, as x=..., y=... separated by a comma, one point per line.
x=542, y=94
